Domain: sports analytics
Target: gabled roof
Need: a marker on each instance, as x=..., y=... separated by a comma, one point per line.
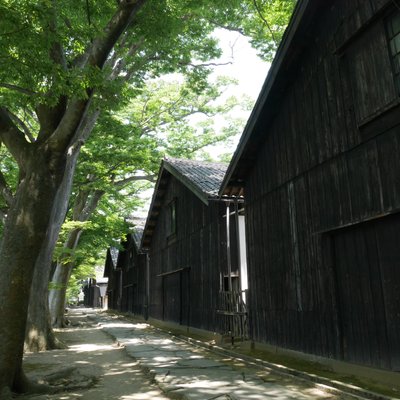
x=137, y=236
x=111, y=261
x=134, y=238
x=280, y=75
x=114, y=255
x=136, y=224
x=200, y=177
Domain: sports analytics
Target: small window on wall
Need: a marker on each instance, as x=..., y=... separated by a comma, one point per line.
x=171, y=218
x=234, y=282
x=369, y=73
x=131, y=258
x=393, y=28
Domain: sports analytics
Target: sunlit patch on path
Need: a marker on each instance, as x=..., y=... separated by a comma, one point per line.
x=93, y=367
x=110, y=358
x=183, y=371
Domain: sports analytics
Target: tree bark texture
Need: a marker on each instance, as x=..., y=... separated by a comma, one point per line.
x=84, y=207
x=30, y=222
x=59, y=283
x=41, y=313
x=39, y=334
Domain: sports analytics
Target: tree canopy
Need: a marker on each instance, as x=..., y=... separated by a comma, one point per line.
x=123, y=154
x=44, y=54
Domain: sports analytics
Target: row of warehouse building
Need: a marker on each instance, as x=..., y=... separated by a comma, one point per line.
x=296, y=243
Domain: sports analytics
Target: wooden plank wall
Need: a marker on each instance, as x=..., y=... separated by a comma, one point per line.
x=132, y=265
x=139, y=285
x=110, y=274
x=373, y=291
x=330, y=158
x=188, y=297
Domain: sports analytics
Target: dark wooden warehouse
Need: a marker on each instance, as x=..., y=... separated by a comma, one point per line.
x=192, y=273
x=319, y=162
x=126, y=271
x=112, y=273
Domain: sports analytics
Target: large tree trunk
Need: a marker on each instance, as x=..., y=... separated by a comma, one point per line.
x=29, y=238
x=58, y=294
x=39, y=334
x=59, y=283
x=85, y=204
x=47, y=310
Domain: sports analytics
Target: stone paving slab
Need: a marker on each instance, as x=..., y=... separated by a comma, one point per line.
x=184, y=371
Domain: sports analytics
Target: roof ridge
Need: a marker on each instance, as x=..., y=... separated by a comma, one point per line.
x=204, y=175
x=188, y=161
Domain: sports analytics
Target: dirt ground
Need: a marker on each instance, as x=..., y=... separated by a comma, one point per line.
x=92, y=367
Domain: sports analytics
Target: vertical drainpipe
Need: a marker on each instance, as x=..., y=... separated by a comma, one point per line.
x=147, y=296
x=228, y=247
x=120, y=290
x=238, y=242
x=189, y=299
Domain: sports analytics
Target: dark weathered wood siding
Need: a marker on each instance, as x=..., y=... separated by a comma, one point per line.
x=127, y=283
x=133, y=267
x=113, y=287
x=187, y=297
x=331, y=158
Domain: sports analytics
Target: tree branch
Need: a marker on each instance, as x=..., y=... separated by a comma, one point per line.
x=88, y=123
x=91, y=205
x=79, y=203
x=3, y=215
x=22, y=124
x=265, y=22
x=85, y=203
x=17, y=88
x=227, y=27
x=57, y=52
x=102, y=46
x=210, y=64
x=50, y=117
x=14, y=32
x=13, y=138
x=121, y=63
x=123, y=182
x=67, y=131
x=5, y=191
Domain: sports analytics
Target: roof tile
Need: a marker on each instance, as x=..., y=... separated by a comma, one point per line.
x=207, y=176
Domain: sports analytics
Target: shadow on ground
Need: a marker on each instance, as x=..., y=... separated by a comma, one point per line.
x=92, y=367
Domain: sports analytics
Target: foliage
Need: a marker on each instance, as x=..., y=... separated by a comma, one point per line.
x=262, y=21
x=142, y=120
x=266, y=24
x=163, y=38
x=133, y=141
x=106, y=227
x=179, y=122
x=167, y=36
